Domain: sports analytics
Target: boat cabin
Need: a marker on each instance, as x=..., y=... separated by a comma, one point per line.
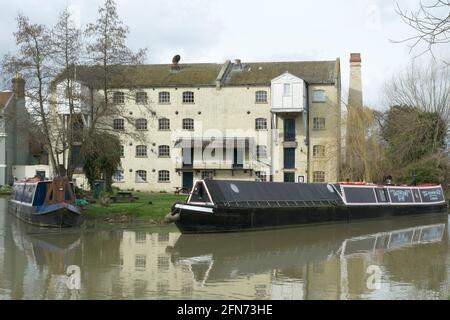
x=38, y=193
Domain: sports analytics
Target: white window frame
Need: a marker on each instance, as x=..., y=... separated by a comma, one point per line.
x=164, y=151
x=162, y=127
x=188, y=124
x=260, y=124
x=118, y=97
x=261, y=96
x=163, y=176
x=120, y=124
x=141, y=124
x=188, y=97
x=164, y=97
x=139, y=99
x=141, y=151
x=141, y=178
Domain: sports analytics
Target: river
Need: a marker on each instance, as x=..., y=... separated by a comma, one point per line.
x=402, y=258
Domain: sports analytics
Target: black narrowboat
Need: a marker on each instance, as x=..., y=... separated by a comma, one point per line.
x=45, y=203
x=227, y=205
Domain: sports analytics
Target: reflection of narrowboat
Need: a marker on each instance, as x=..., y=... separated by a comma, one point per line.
x=218, y=206
x=45, y=203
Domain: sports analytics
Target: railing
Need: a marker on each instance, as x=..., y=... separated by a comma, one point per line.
x=215, y=165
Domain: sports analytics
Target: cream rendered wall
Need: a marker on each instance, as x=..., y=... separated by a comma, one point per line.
x=330, y=137
x=230, y=111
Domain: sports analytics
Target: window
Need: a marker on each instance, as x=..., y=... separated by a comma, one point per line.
x=163, y=237
x=140, y=237
x=261, y=152
x=118, y=97
x=122, y=151
x=261, y=96
x=140, y=261
x=289, y=158
x=163, y=263
x=318, y=151
x=141, y=124
x=188, y=124
x=164, y=97
x=141, y=176
x=289, y=130
x=141, y=151
x=118, y=176
x=319, y=96
x=287, y=90
x=289, y=177
x=163, y=124
x=141, y=97
x=118, y=124
x=164, y=151
x=261, y=176
x=261, y=124
x=207, y=175
x=163, y=176
x=318, y=123
x=188, y=97
x=318, y=176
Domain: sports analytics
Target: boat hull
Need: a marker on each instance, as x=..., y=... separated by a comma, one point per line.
x=58, y=215
x=194, y=219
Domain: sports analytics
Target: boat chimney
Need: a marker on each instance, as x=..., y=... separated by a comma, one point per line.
x=175, y=60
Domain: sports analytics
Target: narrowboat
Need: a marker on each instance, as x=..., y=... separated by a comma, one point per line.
x=45, y=203
x=227, y=205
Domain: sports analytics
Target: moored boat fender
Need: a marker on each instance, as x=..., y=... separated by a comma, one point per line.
x=173, y=215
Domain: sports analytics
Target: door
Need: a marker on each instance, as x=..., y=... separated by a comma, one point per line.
x=289, y=177
x=188, y=180
x=289, y=129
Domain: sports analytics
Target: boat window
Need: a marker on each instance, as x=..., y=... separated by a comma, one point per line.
x=432, y=194
x=416, y=195
x=28, y=193
x=381, y=195
x=199, y=194
x=18, y=192
x=359, y=195
x=41, y=192
x=401, y=195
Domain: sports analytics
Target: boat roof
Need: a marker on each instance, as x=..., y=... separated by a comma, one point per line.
x=234, y=190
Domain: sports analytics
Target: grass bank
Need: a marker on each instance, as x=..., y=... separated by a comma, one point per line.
x=149, y=207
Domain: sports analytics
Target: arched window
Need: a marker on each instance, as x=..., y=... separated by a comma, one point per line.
x=118, y=124
x=141, y=124
x=261, y=124
x=164, y=151
x=188, y=124
x=164, y=97
x=163, y=124
x=118, y=97
x=261, y=96
x=188, y=97
x=141, y=176
x=141, y=151
x=163, y=176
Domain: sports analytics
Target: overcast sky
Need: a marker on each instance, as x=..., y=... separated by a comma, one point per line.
x=262, y=30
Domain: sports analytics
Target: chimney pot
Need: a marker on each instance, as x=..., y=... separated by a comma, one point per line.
x=355, y=57
x=18, y=85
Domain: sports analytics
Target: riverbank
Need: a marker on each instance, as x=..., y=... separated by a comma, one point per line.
x=149, y=208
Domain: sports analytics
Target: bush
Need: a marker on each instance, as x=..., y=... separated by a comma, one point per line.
x=428, y=170
x=5, y=189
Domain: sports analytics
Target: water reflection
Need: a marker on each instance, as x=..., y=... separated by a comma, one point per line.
x=315, y=262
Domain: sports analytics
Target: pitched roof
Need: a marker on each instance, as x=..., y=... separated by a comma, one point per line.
x=261, y=73
x=5, y=97
x=205, y=74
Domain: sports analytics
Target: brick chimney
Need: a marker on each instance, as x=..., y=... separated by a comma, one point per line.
x=18, y=86
x=355, y=97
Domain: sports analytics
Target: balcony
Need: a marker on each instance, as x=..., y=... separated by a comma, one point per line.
x=214, y=165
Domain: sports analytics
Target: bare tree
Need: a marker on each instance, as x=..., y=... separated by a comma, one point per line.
x=33, y=62
x=431, y=22
x=67, y=47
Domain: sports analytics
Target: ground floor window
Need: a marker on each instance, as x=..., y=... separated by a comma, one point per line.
x=289, y=177
x=118, y=176
x=261, y=176
x=141, y=176
x=318, y=176
x=207, y=175
x=163, y=176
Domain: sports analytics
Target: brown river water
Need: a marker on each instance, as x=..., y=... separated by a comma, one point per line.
x=402, y=258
